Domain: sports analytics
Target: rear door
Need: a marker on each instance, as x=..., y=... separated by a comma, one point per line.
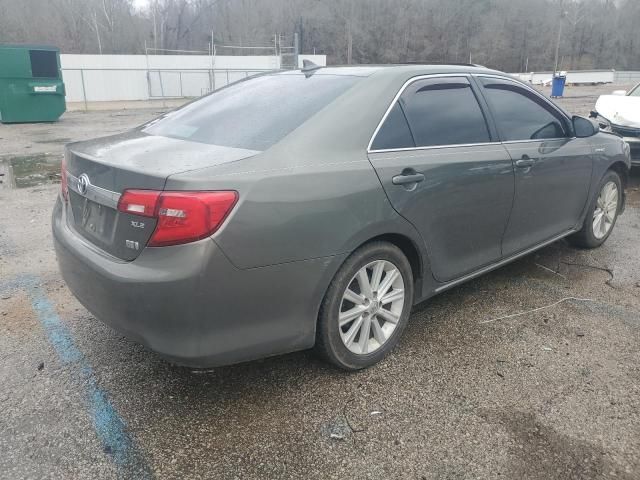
x=442, y=170
x=552, y=169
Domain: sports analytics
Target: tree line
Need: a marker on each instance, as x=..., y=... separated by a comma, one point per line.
x=511, y=35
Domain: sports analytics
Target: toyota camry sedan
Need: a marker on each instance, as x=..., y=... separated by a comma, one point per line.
x=314, y=208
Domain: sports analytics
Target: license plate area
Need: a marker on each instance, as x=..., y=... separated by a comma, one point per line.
x=120, y=234
x=93, y=220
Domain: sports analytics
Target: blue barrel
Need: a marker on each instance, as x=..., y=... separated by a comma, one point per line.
x=557, y=86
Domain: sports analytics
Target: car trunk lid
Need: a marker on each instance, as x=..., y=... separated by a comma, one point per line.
x=99, y=171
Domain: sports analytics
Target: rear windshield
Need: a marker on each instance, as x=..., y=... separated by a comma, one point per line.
x=254, y=114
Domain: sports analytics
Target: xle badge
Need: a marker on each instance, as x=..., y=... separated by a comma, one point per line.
x=131, y=244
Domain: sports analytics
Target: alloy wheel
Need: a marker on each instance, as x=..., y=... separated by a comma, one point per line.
x=606, y=210
x=371, y=307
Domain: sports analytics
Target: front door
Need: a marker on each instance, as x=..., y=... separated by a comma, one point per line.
x=552, y=169
x=441, y=170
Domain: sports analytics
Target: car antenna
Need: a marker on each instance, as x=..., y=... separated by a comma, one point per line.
x=308, y=67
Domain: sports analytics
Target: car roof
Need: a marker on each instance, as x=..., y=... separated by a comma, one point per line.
x=398, y=69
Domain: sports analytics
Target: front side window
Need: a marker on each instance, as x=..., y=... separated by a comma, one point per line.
x=254, y=114
x=635, y=92
x=444, y=111
x=521, y=114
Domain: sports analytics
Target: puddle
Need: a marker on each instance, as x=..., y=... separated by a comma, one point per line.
x=25, y=171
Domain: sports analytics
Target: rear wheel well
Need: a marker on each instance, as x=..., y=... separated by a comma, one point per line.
x=407, y=247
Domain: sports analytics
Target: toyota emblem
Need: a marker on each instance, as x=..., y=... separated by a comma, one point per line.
x=83, y=183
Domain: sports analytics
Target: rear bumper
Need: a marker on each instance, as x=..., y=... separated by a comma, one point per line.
x=190, y=304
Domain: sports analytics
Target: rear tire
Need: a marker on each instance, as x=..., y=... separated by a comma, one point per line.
x=602, y=213
x=366, y=307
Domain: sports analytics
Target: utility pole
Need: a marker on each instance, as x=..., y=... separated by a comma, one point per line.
x=555, y=65
x=349, y=20
x=349, y=43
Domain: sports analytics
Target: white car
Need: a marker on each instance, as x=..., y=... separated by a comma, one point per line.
x=621, y=110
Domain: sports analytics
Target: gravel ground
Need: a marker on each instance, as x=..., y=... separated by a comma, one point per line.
x=553, y=394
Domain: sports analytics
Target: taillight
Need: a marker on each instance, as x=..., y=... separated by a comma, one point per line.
x=182, y=217
x=64, y=186
x=139, y=202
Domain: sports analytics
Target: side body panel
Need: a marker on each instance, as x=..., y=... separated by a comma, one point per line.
x=551, y=193
x=462, y=206
x=553, y=168
x=299, y=213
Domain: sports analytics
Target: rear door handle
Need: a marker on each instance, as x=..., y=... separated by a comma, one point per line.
x=525, y=162
x=406, y=178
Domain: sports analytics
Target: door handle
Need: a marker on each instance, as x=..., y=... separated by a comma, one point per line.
x=525, y=162
x=406, y=178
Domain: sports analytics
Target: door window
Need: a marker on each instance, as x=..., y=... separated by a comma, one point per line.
x=521, y=114
x=444, y=111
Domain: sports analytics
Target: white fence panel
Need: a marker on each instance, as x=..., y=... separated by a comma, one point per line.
x=73, y=85
x=195, y=83
x=95, y=78
x=100, y=85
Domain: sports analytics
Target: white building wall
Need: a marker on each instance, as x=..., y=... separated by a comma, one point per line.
x=140, y=77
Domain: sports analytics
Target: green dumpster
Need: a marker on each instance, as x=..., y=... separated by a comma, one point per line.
x=31, y=88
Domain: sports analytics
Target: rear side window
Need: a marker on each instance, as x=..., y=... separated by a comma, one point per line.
x=444, y=111
x=44, y=63
x=521, y=114
x=254, y=114
x=394, y=132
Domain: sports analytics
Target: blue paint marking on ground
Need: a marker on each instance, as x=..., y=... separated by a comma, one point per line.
x=108, y=425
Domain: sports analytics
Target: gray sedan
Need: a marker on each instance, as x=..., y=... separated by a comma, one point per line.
x=316, y=207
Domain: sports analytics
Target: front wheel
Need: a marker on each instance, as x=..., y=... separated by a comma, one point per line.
x=602, y=214
x=366, y=307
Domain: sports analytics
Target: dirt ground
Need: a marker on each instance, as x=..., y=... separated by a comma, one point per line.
x=550, y=394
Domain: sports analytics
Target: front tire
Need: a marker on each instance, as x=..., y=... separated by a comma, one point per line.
x=602, y=214
x=366, y=307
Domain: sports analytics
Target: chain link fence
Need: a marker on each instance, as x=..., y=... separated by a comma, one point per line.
x=627, y=77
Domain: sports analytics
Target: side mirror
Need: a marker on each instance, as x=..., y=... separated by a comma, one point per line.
x=583, y=127
x=621, y=93
x=593, y=114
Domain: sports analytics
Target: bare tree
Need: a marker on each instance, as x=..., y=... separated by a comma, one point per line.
x=510, y=35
